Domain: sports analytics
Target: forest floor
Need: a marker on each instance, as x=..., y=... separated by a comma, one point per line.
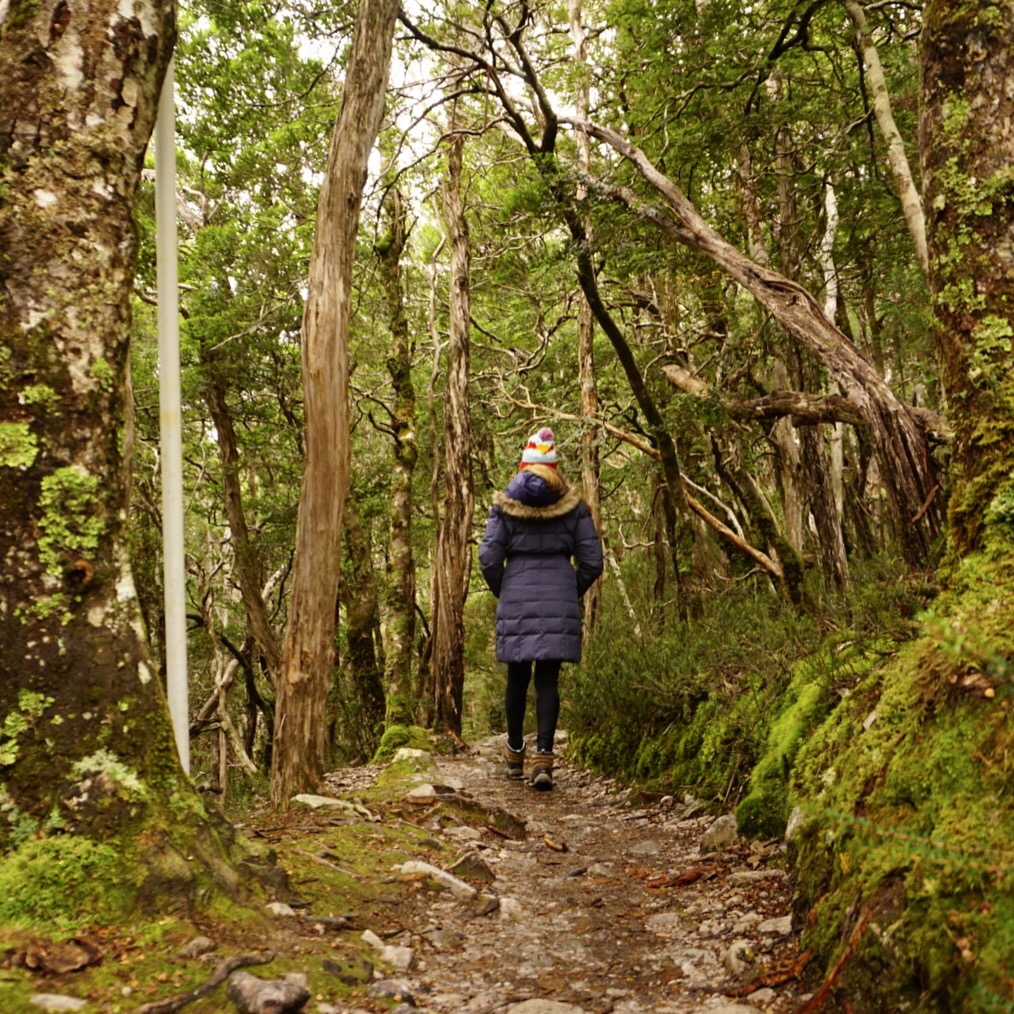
x=435, y=884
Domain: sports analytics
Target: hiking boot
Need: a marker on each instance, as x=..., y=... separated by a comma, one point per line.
x=515, y=760
x=541, y=774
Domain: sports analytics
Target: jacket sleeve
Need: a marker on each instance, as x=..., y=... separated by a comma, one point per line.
x=587, y=551
x=493, y=550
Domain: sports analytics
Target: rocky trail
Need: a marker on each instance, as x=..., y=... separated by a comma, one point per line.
x=587, y=902
x=435, y=884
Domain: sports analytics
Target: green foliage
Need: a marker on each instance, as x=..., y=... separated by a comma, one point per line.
x=64, y=880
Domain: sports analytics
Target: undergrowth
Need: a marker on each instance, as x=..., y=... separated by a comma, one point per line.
x=688, y=706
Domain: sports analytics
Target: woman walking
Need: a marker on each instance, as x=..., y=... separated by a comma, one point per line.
x=535, y=527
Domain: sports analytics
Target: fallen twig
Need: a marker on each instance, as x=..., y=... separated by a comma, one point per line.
x=222, y=972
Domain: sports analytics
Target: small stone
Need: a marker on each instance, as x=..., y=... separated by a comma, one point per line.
x=392, y=989
x=471, y=864
x=400, y=958
x=196, y=947
x=279, y=908
x=762, y=996
x=796, y=820
x=421, y=795
x=722, y=833
x=444, y=939
x=463, y=833
x=753, y=876
x=781, y=926
x=353, y=972
x=511, y=910
x=600, y=870
x=544, y=1007
x=740, y=959
x=645, y=848
x=664, y=922
x=253, y=995
x=57, y=1002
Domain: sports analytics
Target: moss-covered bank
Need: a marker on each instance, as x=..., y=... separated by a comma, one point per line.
x=892, y=739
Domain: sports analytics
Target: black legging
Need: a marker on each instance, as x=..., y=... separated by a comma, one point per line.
x=547, y=701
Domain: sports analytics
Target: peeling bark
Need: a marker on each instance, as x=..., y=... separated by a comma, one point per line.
x=300, y=744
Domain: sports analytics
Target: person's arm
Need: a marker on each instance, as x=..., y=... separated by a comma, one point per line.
x=493, y=550
x=587, y=551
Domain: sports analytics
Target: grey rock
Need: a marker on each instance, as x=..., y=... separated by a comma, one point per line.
x=471, y=864
x=721, y=834
x=421, y=795
x=253, y=995
x=57, y=1002
x=398, y=957
x=544, y=1007
x=196, y=947
x=279, y=908
x=444, y=939
x=456, y=886
x=796, y=821
x=782, y=925
x=754, y=876
x=645, y=848
x=392, y=989
x=740, y=959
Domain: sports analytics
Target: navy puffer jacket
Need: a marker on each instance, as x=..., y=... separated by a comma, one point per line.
x=531, y=535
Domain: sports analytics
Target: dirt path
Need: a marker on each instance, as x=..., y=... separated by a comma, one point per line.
x=603, y=906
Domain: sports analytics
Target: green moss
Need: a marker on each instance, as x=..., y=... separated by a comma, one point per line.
x=18, y=446
x=102, y=372
x=64, y=880
x=397, y=736
x=30, y=708
x=906, y=791
x=37, y=394
x=71, y=524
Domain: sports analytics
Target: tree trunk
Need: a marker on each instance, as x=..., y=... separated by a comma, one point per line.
x=453, y=553
x=300, y=723
x=909, y=472
x=967, y=150
x=358, y=593
x=86, y=748
x=400, y=619
x=585, y=320
x=249, y=572
x=908, y=193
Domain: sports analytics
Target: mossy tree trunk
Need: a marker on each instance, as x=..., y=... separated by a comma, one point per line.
x=86, y=746
x=400, y=620
x=967, y=151
x=453, y=552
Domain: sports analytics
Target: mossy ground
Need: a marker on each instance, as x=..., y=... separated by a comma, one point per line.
x=338, y=865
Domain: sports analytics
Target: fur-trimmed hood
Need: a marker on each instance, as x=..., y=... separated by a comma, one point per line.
x=516, y=509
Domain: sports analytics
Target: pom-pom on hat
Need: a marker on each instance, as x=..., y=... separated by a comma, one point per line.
x=540, y=449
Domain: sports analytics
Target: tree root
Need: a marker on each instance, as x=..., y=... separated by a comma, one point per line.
x=222, y=971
